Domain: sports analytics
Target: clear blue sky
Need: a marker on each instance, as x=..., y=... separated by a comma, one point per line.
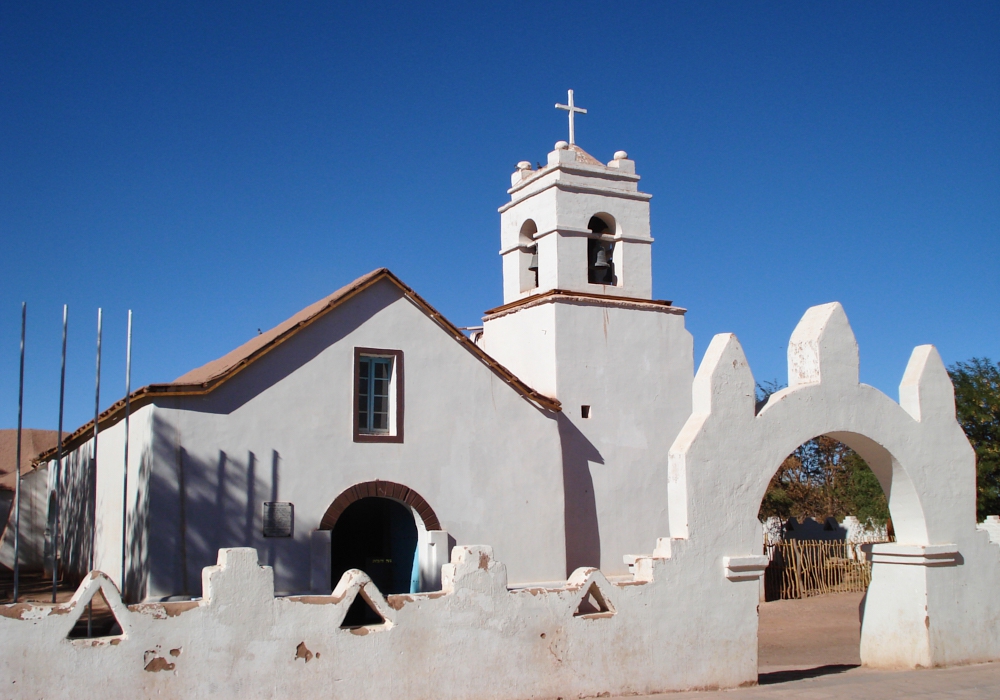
x=218, y=166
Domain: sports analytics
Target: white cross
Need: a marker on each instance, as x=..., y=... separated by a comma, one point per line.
x=572, y=109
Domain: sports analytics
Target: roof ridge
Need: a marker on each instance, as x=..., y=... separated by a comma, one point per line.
x=204, y=379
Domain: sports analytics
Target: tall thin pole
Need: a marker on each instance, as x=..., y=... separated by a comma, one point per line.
x=93, y=469
x=59, y=458
x=128, y=390
x=17, y=463
x=93, y=459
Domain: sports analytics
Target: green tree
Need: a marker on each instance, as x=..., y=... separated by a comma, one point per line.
x=977, y=405
x=862, y=493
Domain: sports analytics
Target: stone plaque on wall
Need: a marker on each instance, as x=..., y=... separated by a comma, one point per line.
x=279, y=519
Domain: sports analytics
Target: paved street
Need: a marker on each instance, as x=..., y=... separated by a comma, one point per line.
x=809, y=651
x=980, y=682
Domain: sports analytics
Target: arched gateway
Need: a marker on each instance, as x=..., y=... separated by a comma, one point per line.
x=727, y=452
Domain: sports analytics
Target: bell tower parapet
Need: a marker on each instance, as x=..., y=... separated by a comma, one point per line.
x=578, y=225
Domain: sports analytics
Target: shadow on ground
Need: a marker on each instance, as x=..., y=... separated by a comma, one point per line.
x=802, y=674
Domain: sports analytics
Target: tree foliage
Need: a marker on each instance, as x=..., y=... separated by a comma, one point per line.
x=822, y=478
x=977, y=405
x=825, y=478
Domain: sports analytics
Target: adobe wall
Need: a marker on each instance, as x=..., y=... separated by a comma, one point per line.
x=486, y=459
x=34, y=506
x=476, y=639
x=78, y=518
x=632, y=365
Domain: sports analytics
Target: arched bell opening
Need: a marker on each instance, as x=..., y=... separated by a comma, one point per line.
x=600, y=250
x=826, y=500
x=528, y=256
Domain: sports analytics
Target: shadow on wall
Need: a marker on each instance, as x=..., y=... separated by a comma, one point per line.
x=194, y=507
x=583, y=534
x=76, y=518
x=811, y=529
x=134, y=588
x=310, y=342
x=76, y=513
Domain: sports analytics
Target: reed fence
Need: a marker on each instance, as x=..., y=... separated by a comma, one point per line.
x=803, y=568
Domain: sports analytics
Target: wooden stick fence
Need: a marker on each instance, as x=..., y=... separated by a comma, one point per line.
x=803, y=568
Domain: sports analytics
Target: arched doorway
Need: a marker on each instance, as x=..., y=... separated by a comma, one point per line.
x=381, y=528
x=382, y=520
x=378, y=536
x=822, y=506
x=731, y=447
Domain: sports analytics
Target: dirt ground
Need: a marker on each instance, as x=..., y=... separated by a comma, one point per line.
x=812, y=632
x=809, y=651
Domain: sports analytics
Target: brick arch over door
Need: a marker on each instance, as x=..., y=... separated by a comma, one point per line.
x=380, y=489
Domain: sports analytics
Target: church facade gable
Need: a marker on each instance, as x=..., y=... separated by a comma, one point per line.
x=284, y=430
x=482, y=454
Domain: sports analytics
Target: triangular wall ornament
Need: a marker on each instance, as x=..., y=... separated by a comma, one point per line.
x=106, y=618
x=361, y=613
x=592, y=601
x=362, y=602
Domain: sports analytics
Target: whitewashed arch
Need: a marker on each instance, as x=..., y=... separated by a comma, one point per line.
x=926, y=586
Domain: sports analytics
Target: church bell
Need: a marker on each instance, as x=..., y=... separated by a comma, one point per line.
x=533, y=263
x=602, y=258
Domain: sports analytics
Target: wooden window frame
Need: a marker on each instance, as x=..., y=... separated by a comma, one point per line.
x=397, y=406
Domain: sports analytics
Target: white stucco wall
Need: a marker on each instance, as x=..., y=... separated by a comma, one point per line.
x=76, y=511
x=525, y=343
x=477, y=639
x=484, y=458
x=633, y=366
x=33, y=510
x=560, y=199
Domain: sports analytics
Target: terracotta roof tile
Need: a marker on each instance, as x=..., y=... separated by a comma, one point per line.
x=218, y=368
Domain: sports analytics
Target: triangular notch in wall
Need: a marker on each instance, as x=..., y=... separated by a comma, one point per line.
x=361, y=613
x=593, y=604
x=96, y=619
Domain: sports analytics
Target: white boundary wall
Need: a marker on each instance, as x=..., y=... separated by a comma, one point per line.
x=476, y=639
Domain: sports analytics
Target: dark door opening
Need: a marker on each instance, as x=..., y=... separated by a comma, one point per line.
x=377, y=536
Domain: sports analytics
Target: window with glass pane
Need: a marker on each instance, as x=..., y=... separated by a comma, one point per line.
x=374, y=375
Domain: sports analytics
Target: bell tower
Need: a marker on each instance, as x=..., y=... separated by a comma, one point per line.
x=577, y=225
x=579, y=324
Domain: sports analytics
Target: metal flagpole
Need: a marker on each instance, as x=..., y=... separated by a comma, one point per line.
x=17, y=463
x=59, y=456
x=93, y=468
x=128, y=389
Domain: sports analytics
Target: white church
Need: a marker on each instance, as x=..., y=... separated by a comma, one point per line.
x=368, y=432
x=476, y=492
